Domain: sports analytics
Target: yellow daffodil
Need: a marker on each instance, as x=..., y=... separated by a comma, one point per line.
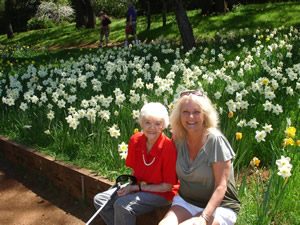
x=230, y=114
x=290, y=141
x=238, y=135
x=255, y=161
x=290, y=132
x=136, y=130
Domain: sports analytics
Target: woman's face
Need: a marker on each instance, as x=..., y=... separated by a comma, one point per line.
x=152, y=128
x=192, y=117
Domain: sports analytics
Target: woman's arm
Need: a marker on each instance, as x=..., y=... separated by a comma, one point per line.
x=221, y=172
x=162, y=187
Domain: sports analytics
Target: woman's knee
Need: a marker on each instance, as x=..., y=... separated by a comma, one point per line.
x=124, y=205
x=120, y=203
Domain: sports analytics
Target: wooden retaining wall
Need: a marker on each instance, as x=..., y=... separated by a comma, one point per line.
x=79, y=182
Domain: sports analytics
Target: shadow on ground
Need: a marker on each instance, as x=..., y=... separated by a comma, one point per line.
x=31, y=199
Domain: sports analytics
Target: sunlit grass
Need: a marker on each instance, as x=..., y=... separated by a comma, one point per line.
x=270, y=15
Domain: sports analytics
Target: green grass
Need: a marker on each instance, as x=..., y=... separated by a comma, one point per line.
x=250, y=16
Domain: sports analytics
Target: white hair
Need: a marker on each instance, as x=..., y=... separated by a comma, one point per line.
x=154, y=110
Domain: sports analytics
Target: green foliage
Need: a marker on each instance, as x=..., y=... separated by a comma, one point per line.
x=265, y=195
x=117, y=8
x=39, y=23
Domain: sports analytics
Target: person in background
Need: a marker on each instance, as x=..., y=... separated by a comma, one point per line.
x=131, y=17
x=104, y=28
x=207, y=192
x=152, y=158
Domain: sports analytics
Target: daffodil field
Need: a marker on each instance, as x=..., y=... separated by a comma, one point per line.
x=83, y=108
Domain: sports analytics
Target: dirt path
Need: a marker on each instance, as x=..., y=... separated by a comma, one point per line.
x=29, y=200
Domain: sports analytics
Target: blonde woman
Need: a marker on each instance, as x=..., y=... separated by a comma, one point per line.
x=207, y=193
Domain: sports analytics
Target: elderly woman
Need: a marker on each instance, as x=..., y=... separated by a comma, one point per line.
x=152, y=157
x=207, y=193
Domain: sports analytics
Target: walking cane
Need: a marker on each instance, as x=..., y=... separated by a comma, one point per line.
x=121, y=178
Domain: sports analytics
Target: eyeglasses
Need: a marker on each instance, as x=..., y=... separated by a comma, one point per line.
x=193, y=92
x=125, y=178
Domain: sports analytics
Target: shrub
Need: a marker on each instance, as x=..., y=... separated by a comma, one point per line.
x=39, y=23
x=50, y=14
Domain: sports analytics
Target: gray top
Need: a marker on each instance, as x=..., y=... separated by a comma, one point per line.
x=197, y=179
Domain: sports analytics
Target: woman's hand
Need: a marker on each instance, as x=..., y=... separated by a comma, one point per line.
x=126, y=190
x=197, y=220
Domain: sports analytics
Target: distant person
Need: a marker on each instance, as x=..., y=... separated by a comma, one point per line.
x=104, y=28
x=131, y=17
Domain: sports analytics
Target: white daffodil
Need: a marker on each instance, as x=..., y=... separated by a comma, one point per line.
x=284, y=172
x=268, y=106
x=114, y=131
x=242, y=123
x=260, y=135
x=23, y=106
x=253, y=123
x=50, y=115
x=217, y=95
x=123, y=147
x=268, y=128
x=277, y=109
x=284, y=162
x=135, y=114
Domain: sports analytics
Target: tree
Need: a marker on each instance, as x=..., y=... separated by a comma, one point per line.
x=206, y=6
x=184, y=26
x=220, y=6
x=148, y=13
x=164, y=12
x=85, y=15
x=9, y=11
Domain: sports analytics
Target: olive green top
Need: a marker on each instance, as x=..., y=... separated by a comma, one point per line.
x=197, y=179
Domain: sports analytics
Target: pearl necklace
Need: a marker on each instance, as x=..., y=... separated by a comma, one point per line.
x=148, y=164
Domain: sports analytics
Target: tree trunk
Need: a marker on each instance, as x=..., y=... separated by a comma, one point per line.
x=164, y=12
x=85, y=16
x=230, y=4
x=81, y=19
x=220, y=6
x=206, y=7
x=9, y=5
x=148, y=15
x=9, y=30
x=184, y=26
x=91, y=23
